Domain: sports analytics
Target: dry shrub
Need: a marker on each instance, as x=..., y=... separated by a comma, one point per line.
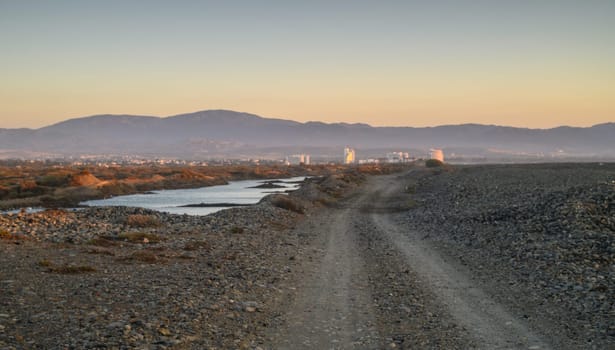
x=278, y=226
x=352, y=178
x=26, y=185
x=231, y=256
x=100, y=251
x=102, y=242
x=186, y=257
x=4, y=191
x=328, y=202
x=145, y=256
x=65, y=269
x=237, y=229
x=197, y=245
x=6, y=235
x=287, y=203
x=140, y=220
x=45, y=263
x=72, y=270
x=140, y=237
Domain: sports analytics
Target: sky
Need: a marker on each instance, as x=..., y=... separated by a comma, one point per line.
x=525, y=63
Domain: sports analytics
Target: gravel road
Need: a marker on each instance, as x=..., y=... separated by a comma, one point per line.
x=371, y=280
x=489, y=323
x=353, y=290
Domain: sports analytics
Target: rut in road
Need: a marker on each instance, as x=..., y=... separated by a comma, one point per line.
x=378, y=285
x=334, y=309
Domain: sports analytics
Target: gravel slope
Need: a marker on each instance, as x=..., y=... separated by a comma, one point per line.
x=376, y=284
x=539, y=238
x=185, y=283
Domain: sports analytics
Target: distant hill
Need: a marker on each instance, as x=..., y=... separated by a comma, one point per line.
x=222, y=133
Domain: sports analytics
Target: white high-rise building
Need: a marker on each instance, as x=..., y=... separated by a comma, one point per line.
x=437, y=154
x=349, y=155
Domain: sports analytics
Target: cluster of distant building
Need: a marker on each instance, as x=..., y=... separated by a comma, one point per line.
x=391, y=157
x=298, y=159
x=349, y=157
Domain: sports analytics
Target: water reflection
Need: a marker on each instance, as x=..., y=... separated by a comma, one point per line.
x=170, y=201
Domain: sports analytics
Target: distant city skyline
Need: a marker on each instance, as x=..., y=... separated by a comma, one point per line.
x=536, y=64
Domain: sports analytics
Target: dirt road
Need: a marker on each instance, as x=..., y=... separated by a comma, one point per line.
x=367, y=282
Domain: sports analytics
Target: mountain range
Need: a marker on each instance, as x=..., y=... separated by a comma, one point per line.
x=222, y=133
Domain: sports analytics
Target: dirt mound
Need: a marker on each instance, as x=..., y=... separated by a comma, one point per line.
x=84, y=179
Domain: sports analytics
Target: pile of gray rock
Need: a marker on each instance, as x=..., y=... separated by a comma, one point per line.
x=82, y=225
x=546, y=230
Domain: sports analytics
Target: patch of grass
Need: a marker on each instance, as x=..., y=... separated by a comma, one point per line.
x=140, y=237
x=65, y=269
x=140, y=220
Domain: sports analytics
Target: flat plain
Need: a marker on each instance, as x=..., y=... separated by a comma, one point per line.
x=490, y=257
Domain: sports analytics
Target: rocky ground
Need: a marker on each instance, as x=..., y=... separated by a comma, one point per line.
x=540, y=237
x=130, y=278
x=515, y=256
x=118, y=278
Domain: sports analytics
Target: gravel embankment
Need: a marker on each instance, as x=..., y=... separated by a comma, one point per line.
x=119, y=278
x=541, y=235
x=123, y=278
x=81, y=226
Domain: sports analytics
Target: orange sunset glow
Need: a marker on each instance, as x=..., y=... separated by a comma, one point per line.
x=525, y=64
